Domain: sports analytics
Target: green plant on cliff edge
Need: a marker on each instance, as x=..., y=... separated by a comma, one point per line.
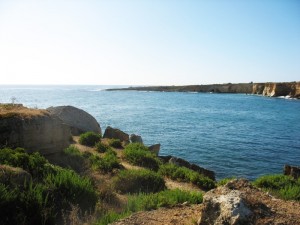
x=284, y=187
x=89, y=138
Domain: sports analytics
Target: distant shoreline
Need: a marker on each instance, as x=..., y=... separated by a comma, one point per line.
x=288, y=89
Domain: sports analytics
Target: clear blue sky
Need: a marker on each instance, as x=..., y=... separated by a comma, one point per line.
x=149, y=42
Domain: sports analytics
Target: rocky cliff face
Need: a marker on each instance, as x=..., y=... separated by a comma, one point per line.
x=291, y=89
x=34, y=132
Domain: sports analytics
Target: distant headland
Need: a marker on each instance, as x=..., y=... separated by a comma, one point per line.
x=270, y=89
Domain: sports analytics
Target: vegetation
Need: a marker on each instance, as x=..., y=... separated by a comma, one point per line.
x=116, y=143
x=186, y=175
x=150, y=201
x=107, y=163
x=282, y=186
x=138, y=154
x=41, y=199
x=135, y=181
x=225, y=181
x=101, y=147
x=89, y=138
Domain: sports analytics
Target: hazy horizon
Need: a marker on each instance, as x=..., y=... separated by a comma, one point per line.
x=145, y=43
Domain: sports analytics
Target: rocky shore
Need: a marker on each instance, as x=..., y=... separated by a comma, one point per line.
x=270, y=89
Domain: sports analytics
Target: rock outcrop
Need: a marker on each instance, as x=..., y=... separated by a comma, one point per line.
x=116, y=134
x=282, y=89
x=224, y=206
x=136, y=138
x=34, y=130
x=155, y=149
x=78, y=120
x=293, y=171
x=181, y=162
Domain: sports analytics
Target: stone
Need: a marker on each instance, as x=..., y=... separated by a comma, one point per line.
x=40, y=132
x=181, y=162
x=136, y=139
x=224, y=206
x=13, y=175
x=292, y=171
x=155, y=149
x=114, y=133
x=77, y=119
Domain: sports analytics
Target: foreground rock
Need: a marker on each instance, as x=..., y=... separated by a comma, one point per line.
x=32, y=129
x=184, y=163
x=78, y=120
x=116, y=134
x=238, y=202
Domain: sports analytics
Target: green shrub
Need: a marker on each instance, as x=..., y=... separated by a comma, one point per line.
x=138, y=154
x=284, y=187
x=186, y=175
x=34, y=163
x=134, y=181
x=89, y=138
x=101, y=147
x=116, y=143
x=107, y=163
x=73, y=159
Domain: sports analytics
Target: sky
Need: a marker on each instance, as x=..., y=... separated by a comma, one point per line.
x=149, y=42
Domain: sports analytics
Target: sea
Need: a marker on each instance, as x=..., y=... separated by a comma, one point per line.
x=235, y=135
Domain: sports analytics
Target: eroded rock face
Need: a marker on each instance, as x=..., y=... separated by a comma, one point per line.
x=116, y=134
x=136, y=139
x=78, y=120
x=43, y=133
x=291, y=89
x=224, y=206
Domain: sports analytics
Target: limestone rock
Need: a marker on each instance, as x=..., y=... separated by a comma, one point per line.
x=224, y=206
x=292, y=171
x=184, y=163
x=136, y=138
x=42, y=132
x=291, y=89
x=116, y=134
x=13, y=175
x=77, y=119
x=155, y=149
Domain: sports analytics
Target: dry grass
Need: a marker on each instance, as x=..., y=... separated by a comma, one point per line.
x=18, y=110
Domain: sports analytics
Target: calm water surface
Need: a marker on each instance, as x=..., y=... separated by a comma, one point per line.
x=231, y=134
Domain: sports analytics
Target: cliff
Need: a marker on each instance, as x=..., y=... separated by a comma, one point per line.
x=291, y=89
x=32, y=129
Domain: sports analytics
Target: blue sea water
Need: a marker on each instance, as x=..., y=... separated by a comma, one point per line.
x=231, y=134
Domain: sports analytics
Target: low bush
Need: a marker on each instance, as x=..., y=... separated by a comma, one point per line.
x=225, y=181
x=135, y=181
x=116, y=143
x=186, y=175
x=33, y=163
x=138, y=154
x=101, y=147
x=107, y=163
x=89, y=138
x=73, y=159
x=282, y=186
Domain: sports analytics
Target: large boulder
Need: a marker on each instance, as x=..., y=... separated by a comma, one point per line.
x=114, y=133
x=34, y=130
x=78, y=120
x=225, y=205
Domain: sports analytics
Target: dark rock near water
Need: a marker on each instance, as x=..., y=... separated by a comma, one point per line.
x=292, y=171
x=116, y=134
x=136, y=138
x=155, y=149
x=78, y=120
